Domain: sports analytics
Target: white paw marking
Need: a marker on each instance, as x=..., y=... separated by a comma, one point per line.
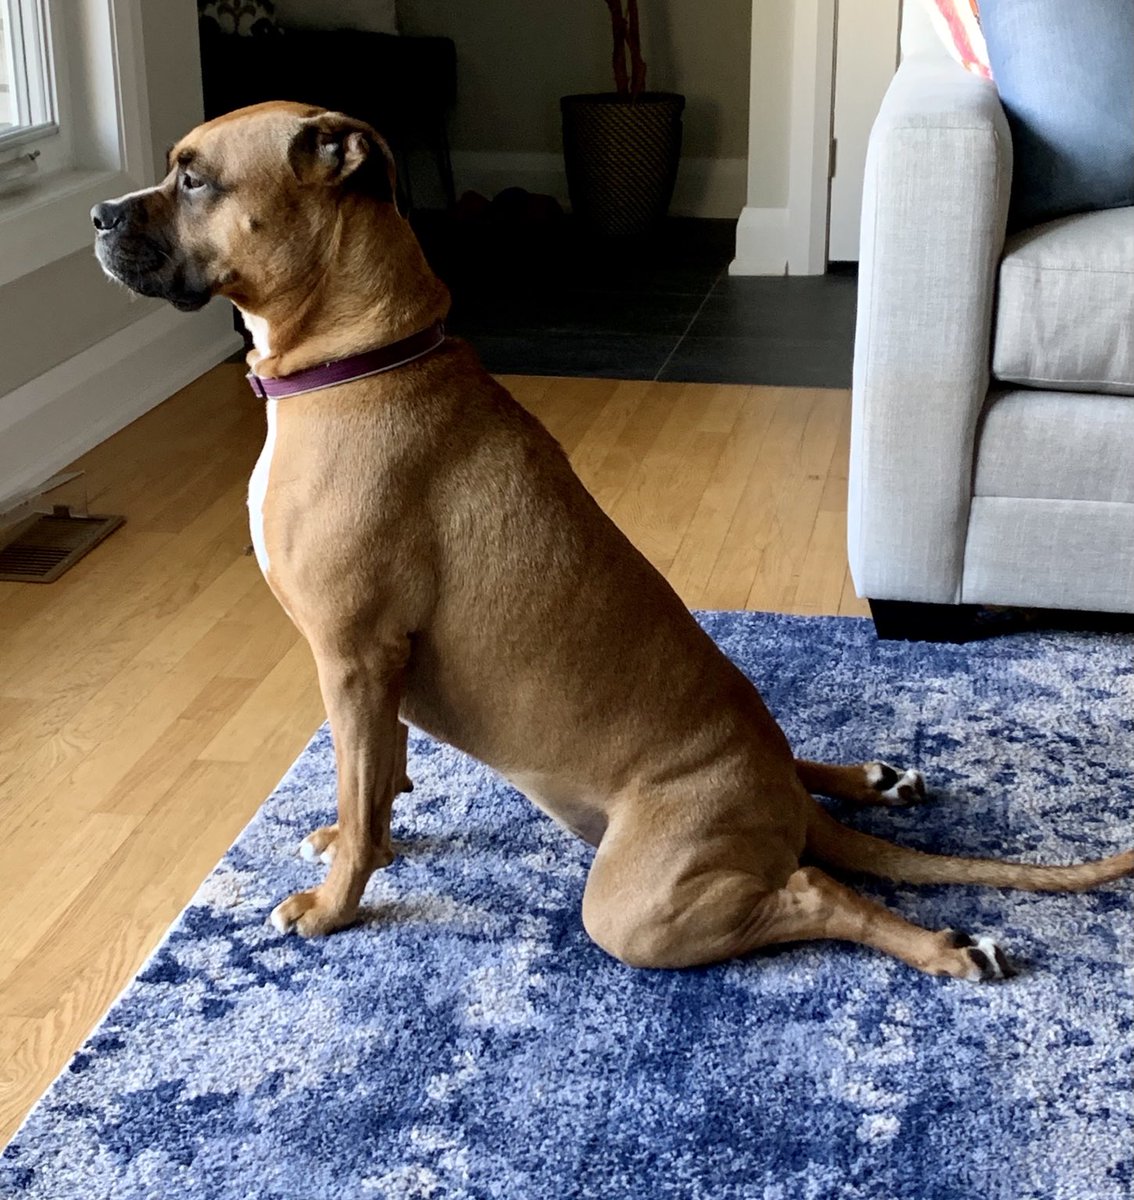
x=282, y=924
x=993, y=965
x=309, y=849
x=994, y=953
x=909, y=787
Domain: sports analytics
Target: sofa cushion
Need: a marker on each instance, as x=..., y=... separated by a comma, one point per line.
x=1049, y=554
x=1065, y=312
x=1065, y=73
x=1056, y=446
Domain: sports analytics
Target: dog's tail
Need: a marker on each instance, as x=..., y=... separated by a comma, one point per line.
x=846, y=849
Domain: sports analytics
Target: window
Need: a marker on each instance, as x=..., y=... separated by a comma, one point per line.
x=32, y=137
x=27, y=94
x=73, y=95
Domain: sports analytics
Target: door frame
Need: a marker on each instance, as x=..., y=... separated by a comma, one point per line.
x=793, y=240
x=810, y=133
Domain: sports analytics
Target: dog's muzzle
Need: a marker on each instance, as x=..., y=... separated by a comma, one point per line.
x=131, y=250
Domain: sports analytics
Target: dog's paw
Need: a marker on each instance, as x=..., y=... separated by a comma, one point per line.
x=309, y=915
x=319, y=844
x=893, y=786
x=982, y=960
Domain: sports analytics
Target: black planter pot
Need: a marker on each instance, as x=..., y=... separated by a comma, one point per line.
x=621, y=157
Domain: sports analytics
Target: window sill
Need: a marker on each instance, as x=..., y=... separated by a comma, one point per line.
x=51, y=219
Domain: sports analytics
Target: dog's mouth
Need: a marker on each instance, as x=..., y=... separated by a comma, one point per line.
x=150, y=268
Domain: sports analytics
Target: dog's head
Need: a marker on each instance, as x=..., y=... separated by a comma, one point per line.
x=246, y=206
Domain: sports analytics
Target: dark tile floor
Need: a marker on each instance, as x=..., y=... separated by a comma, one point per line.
x=552, y=301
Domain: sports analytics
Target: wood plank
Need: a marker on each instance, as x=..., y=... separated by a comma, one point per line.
x=162, y=766
x=665, y=489
x=775, y=467
x=93, y=770
x=99, y=687
x=611, y=464
x=696, y=557
x=608, y=427
x=264, y=631
x=31, y=1058
x=529, y=390
x=819, y=589
x=849, y=603
x=288, y=696
x=172, y=852
x=48, y=887
x=792, y=525
x=569, y=406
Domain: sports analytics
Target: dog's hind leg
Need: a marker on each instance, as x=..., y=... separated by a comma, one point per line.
x=862, y=783
x=813, y=906
x=725, y=915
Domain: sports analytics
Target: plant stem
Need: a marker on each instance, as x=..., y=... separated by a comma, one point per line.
x=618, y=28
x=637, y=62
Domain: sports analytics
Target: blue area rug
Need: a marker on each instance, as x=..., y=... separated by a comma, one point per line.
x=467, y=1040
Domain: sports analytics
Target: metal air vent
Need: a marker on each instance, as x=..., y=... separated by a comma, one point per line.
x=40, y=548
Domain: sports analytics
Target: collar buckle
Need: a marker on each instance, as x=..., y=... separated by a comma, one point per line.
x=257, y=385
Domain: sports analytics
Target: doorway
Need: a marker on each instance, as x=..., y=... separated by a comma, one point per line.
x=866, y=57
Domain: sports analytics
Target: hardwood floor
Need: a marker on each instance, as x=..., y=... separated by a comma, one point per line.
x=152, y=697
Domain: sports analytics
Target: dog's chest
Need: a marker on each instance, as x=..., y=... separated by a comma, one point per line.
x=258, y=490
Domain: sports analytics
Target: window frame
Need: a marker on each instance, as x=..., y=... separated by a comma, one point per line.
x=103, y=144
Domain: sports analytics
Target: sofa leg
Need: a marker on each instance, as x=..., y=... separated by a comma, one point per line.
x=909, y=621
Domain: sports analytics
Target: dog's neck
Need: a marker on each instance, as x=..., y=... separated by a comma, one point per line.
x=372, y=288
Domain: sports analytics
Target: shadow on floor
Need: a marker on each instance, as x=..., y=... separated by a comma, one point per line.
x=549, y=299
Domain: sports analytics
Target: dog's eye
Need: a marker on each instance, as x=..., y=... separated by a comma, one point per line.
x=191, y=183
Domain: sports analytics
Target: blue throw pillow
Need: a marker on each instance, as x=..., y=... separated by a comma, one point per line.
x=1065, y=73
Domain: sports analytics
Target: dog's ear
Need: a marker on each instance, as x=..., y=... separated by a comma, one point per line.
x=333, y=149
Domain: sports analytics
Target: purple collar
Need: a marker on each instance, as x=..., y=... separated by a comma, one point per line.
x=356, y=366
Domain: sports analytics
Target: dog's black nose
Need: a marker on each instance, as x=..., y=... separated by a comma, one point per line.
x=108, y=215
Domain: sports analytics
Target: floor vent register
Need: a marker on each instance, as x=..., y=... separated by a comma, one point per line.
x=43, y=546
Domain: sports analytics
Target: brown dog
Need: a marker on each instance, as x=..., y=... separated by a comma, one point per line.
x=430, y=540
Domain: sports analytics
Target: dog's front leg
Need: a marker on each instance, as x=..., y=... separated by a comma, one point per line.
x=319, y=844
x=362, y=697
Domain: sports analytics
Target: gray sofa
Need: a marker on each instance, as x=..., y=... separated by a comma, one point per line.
x=992, y=445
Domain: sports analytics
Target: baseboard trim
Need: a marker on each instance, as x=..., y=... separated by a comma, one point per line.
x=66, y=411
x=761, y=242
x=706, y=187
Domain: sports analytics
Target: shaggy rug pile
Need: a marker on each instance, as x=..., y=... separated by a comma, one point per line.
x=467, y=1040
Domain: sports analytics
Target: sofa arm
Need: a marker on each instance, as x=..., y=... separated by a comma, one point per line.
x=934, y=214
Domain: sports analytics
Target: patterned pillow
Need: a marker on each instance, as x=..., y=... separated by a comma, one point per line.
x=245, y=18
x=957, y=23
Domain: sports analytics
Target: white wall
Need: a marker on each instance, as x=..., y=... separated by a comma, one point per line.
x=515, y=58
x=69, y=309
